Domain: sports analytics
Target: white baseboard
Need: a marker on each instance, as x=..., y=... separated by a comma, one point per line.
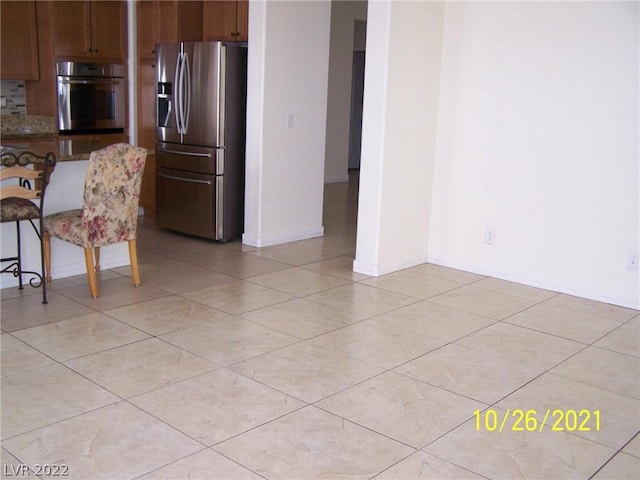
x=569, y=290
x=260, y=242
x=375, y=270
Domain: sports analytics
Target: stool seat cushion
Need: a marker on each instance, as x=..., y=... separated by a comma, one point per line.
x=13, y=209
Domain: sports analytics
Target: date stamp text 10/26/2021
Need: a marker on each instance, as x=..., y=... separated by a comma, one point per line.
x=520, y=420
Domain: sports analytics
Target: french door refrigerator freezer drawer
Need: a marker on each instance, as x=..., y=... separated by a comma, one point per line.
x=190, y=203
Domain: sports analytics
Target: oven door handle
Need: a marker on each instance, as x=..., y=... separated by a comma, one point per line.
x=182, y=179
x=113, y=81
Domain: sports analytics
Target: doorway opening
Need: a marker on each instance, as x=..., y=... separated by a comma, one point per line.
x=341, y=199
x=357, y=93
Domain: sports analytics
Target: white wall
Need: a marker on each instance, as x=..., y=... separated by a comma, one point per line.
x=402, y=79
x=287, y=74
x=343, y=17
x=538, y=138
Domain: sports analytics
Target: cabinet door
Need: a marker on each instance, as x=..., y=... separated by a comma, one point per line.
x=146, y=105
x=108, y=29
x=167, y=22
x=190, y=21
x=157, y=23
x=219, y=21
x=146, y=18
x=72, y=28
x=147, y=132
x=242, y=21
x=19, y=42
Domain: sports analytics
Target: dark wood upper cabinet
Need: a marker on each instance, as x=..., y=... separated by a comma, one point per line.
x=146, y=19
x=157, y=22
x=219, y=21
x=190, y=21
x=167, y=21
x=19, y=41
x=109, y=29
x=90, y=29
x=225, y=20
x=242, y=20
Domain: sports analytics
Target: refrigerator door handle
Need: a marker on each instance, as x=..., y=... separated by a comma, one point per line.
x=181, y=93
x=187, y=92
x=176, y=82
x=182, y=179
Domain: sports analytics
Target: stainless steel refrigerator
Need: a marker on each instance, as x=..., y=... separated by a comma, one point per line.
x=200, y=138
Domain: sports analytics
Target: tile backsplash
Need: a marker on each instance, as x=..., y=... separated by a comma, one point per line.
x=14, y=101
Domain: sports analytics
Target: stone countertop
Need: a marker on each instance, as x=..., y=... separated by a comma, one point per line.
x=30, y=126
x=64, y=150
x=39, y=134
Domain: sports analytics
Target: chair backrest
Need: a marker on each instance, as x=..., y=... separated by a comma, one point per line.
x=112, y=194
x=25, y=175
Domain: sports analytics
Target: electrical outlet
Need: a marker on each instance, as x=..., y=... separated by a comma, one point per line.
x=632, y=263
x=489, y=235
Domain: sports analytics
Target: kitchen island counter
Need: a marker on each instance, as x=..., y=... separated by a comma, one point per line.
x=64, y=150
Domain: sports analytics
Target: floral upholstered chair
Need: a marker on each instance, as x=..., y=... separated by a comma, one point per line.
x=109, y=212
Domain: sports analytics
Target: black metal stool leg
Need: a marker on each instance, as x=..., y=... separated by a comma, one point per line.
x=19, y=256
x=42, y=279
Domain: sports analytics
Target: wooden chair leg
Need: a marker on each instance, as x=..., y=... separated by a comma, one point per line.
x=96, y=251
x=46, y=239
x=91, y=272
x=133, y=259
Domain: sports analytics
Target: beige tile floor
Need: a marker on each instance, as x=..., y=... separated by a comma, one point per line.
x=232, y=362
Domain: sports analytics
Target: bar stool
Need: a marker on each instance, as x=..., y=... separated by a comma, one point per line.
x=24, y=178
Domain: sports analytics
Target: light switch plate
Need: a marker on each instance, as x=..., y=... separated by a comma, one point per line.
x=288, y=122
